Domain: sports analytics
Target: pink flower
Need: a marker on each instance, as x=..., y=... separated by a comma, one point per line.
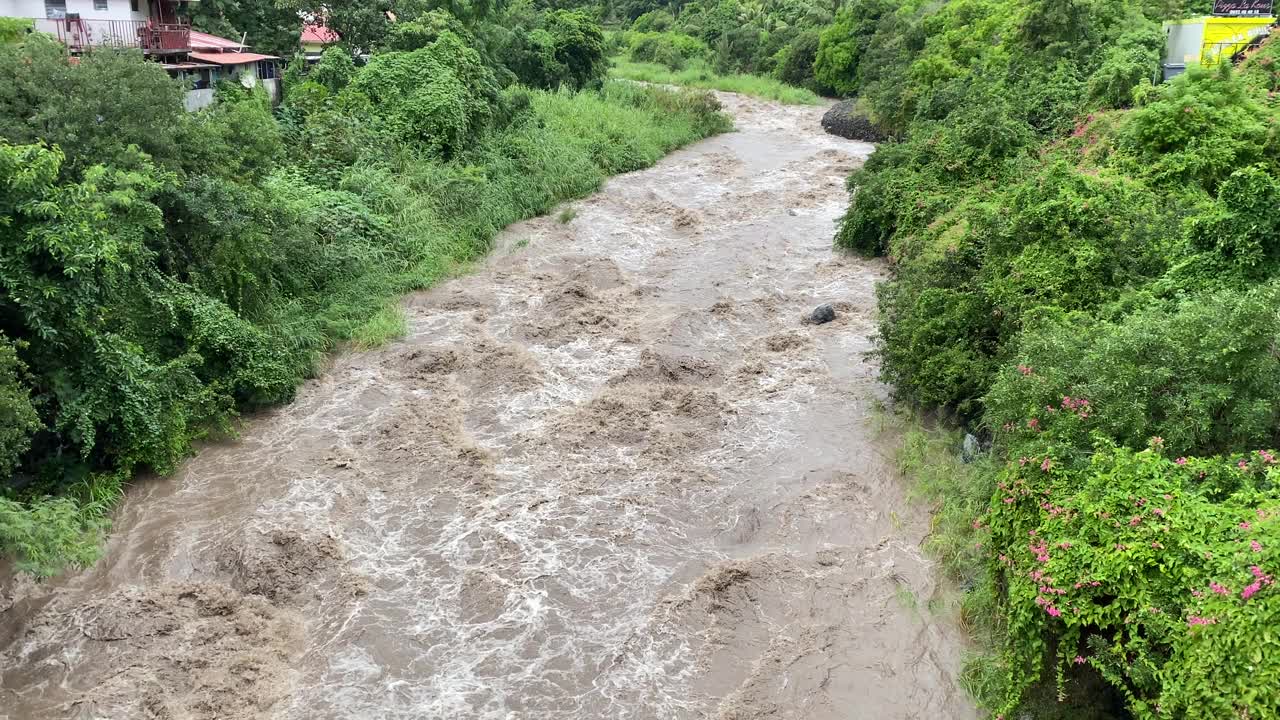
x=1245, y=526
x=1255, y=546
x=1079, y=659
x=1243, y=465
x=1046, y=465
x=1095, y=583
x=1033, y=423
x=1251, y=589
x=1219, y=589
x=1055, y=612
x=1024, y=369
x=1157, y=546
x=1195, y=620
x=1181, y=461
x=1157, y=441
x=1135, y=521
x=1158, y=511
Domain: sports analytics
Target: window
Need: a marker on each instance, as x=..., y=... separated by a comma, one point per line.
x=133, y=5
x=268, y=69
x=99, y=4
x=55, y=9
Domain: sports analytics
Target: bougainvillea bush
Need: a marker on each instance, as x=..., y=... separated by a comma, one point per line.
x=1157, y=572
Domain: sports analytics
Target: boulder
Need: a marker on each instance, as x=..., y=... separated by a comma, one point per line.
x=822, y=314
x=845, y=121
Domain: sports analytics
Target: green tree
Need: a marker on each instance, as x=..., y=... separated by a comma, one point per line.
x=269, y=28
x=93, y=109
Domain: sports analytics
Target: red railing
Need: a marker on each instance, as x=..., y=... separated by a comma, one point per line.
x=79, y=34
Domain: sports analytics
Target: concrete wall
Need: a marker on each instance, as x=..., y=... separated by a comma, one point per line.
x=197, y=99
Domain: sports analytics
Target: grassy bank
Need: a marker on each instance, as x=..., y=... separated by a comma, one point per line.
x=698, y=75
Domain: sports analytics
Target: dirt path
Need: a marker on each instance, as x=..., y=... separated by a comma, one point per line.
x=610, y=475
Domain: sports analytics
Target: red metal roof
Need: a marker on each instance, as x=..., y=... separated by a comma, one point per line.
x=318, y=34
x=205, y=41
x=230, y=58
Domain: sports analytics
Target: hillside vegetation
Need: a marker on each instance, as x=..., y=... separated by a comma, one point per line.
x=162, y=272
x=1085, y=275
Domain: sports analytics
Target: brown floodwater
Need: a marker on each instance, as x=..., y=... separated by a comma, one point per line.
x=610, y=474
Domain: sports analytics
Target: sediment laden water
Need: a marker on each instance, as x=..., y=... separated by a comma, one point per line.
x=608, y=475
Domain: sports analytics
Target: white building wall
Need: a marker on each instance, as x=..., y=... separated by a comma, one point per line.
x=22, y=8
x=116, y=9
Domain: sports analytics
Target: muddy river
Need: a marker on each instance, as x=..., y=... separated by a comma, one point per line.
x=610, y=474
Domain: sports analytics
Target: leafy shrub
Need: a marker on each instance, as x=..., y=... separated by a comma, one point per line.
x=441, y=96
x=547, y=51
x=1201, y=374
x=1132, y=61
x=735, y=50
x=1198, y=128
x=578, y=47
x=1241, y=224
x=654, y=21
x=795, y=67
x=88, y=107
x=840, y=46
x=18, y=418
x=425, y=30
x=13, y=29
x=650, y=47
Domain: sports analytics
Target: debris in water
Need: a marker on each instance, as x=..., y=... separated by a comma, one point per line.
x=822, y=314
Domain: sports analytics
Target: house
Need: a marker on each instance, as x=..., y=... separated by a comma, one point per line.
x=154, y=26
x=315, y=38
x=161, y=32
x=1235, y=26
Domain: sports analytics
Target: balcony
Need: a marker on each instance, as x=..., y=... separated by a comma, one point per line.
x=79, y=34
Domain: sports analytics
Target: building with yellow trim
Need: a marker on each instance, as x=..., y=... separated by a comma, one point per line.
x=1207, y=40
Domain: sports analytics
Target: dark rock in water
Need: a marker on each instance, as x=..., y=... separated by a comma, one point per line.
x=821, y=314
x=843, y=120
x=970, y=449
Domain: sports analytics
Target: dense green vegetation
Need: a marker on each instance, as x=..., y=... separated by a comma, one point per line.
x=697, y=75
x=1085, y=274
x=162, y=271
x=749, y=46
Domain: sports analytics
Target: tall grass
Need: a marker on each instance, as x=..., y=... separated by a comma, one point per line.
x=698, y=75
x=958, y=494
